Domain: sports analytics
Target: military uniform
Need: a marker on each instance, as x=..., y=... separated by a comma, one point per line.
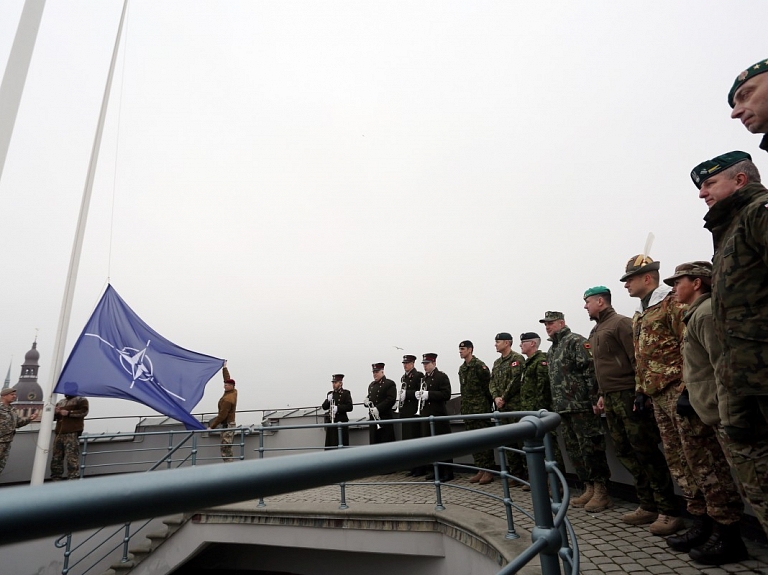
x=382, y=395
x=10, y=421
x=226, y=418
x=438, y=392
x=635, y=435
x=476, y=398
x=739, y=226
x=506, y=378
x=66, y=441
x=411, y=383
x=342, y=404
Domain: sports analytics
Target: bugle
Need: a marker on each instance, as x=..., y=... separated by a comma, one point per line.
x=399, y=400
x=422, y=389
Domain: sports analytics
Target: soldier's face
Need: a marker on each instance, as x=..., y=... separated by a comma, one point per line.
x=503, y=345
x=429, y=367
x=685, y=289
x=527, y=347
x=465, y=352
x=337, y=385
x=377, y=375
x=408, y=366
x=719, y=187
x=635, y=285
x=751, y=104
x=9, y=398
x=553, y=327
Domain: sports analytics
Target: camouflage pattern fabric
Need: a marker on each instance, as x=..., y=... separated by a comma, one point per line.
x=571, y=373
x=9, y=422
x=658, y=333
x=585, y=444
x=227, y=438
x=535, y=390
x=636, y=442
x=66, y=450
x=5, y=450
x=506, y=378
x=476, y=398
x=665, y=410
x=710, y=470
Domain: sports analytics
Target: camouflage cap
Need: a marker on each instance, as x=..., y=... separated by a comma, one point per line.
x=7, y=391
x=552, y=316
x=596, y=290
x=698, y=269
x=639, y=264
x=706, y=170
x=751, y=72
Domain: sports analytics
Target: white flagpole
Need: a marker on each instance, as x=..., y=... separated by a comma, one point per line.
x=44, y=437
x=15, y=76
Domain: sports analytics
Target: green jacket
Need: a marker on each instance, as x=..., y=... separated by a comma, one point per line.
x=701, y=352
x=505, y=380
x=571, y=373
x=535, y=391
x=473, y=380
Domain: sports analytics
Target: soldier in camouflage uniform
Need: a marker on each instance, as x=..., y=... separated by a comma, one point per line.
x=226, y=416
x=658, y=332
x=738, y=220
x=535, y=389
x=9, y=423
x=706, y=540
x=635, y=434
x=69, y=414
x=574, y=393
x=505, y=390
x=474, y=377
x=749, y=99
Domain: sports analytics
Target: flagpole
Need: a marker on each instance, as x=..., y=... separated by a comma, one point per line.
x=44, y=436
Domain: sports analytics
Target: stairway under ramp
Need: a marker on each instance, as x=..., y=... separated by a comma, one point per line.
x=308, y=538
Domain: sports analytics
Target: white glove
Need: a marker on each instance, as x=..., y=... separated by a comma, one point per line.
x=329, y=397
x=335, y=409
x=367, y=403
x=375, y=412
x=402, y=395
x=422, y=395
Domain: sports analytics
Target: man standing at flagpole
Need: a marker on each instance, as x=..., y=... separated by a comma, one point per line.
x=226, y=416
x=69, y=414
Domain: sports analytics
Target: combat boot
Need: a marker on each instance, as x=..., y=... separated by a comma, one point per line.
x=486, y=478
x=725, y=545
x=600, y=499
x=695, y=536
x=583, y=499
x=666, y=525
x=639, y=516
x=477, y=477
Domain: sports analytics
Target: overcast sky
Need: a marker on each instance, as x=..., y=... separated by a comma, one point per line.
x=299, y=187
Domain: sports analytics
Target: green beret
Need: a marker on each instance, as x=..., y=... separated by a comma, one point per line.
x=639, y=265
x=706, y=170
x=552, y=316
x=596, y=290
x=699, y=269
x=503, y=336
x=751, y=72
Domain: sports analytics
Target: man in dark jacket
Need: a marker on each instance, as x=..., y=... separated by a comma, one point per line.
x=411, y=382
x=434, y=400
x=635, y=434
x=338, y=402
x=226, y=416
x=749, y=99
x=382, y=394
x=69, y=415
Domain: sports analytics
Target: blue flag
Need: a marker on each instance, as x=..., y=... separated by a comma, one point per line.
x=118, y=355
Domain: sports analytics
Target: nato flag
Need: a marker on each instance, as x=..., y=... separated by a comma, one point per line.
x=118, y=355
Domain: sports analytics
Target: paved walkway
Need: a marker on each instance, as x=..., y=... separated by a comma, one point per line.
x=606, y=544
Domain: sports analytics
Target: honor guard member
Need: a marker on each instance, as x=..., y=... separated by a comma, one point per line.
x=715, y=537
x=635, y=434
x=738, y=220
x=574, y=392
x=69, y=414
x=535, y=389
x=657, y=327
x=749, y=100
x=382, y=394
x=474, y=377
x=226, y=416
x=410, y=383
x=506, y=379
x=338, y=402
x=434, y=400
x=10, y=422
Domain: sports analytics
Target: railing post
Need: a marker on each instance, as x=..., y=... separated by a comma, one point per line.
x=504, y=474
x=436, y=466
x=83, y=453
x=542, y=507
x=194, y=449
x=242, y=444
x=126, y=541
x=67, y=553
x=261, y=456
x=169, y=458
x=343, y=484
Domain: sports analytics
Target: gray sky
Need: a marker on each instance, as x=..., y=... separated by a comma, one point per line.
x=299, y=187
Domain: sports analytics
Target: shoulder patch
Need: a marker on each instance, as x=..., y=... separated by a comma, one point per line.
x=485, y=367
x=544, y=363
x=514, y=363
x=586, y=345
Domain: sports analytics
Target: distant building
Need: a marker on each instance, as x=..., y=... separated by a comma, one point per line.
x=28, y=392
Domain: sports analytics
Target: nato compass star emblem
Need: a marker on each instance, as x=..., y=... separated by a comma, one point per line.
x=137, y=363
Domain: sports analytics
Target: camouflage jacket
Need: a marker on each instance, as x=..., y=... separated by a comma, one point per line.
x=505, y=380
x=9, y=422
x=76, y=408
x=739, y=226
x=571, y=373
x=473, y=380
x=658, y=334
x=535, y=391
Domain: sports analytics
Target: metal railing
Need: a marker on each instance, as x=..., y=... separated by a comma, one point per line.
x=27, y=513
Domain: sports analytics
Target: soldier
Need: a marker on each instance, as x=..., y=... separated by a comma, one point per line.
x=574, y=393
x=475, y=398
x=382, y=394
x=338, y=402
x=10, y=422
x=658, y=331
x=635, y=434
x=535, y=389
x=749, y=99
x=505, y=390
x=433, y=400
x=69, y=414
x=730, y=185
x=410, y=383
x=714, y=538
x=226, y=416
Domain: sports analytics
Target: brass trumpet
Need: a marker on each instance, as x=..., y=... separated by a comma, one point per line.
x=400, y=401
x=422, y=389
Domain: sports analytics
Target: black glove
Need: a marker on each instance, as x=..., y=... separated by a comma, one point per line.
x=640, y=400
x=684, y=407
x=740, y=434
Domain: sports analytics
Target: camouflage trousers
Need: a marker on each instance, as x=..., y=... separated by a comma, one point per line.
x=665, y=410
x=485, y=458
x=710, y=470
x=585, y=445
x=66, y=449
x=227, y=438
x=5, y=450
x=636, y=440
x=750, y=465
